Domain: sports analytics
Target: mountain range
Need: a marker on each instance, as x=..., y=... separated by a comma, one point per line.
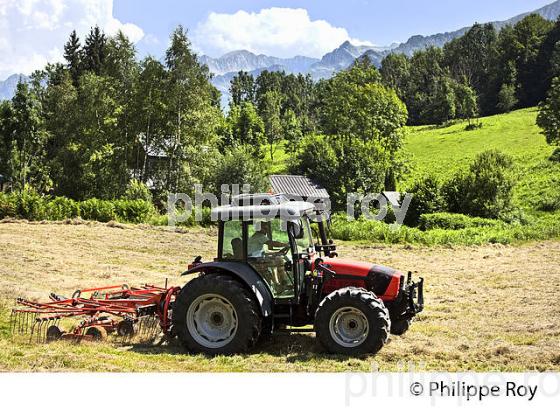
x=8, y=86
x=227, y=66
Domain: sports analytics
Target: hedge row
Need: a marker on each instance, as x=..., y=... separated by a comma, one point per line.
x=546, y=227
x=443, y=220
x=34, y=207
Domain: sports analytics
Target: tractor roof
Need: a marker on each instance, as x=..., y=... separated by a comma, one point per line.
x=287, y=211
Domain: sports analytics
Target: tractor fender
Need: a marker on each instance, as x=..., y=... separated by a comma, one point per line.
x=246, y=275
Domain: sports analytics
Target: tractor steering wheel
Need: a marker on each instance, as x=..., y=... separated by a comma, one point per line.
x=283, y=251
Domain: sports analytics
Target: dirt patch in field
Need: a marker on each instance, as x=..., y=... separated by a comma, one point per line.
x=487, y=308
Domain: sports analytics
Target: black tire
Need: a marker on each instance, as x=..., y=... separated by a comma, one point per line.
x=54, y=333
x=355, y=300
x=400, y=327
x=125, y=328
x=97, y=333
x=246, y=311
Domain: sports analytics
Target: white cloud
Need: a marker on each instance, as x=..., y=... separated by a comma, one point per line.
x=282, y=32
x=33, y=32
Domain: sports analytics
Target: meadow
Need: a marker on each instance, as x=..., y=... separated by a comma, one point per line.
x=442, y=150
x=488, y=308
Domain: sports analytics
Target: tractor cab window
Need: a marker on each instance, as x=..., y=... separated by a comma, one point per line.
x=233, y=240
x=269, y=252
x=303, y=235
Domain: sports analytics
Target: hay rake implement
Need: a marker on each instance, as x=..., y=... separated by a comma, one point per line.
x=143, y=311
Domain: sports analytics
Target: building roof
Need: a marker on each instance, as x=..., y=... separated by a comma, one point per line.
x=258, y=199
x=297, y=185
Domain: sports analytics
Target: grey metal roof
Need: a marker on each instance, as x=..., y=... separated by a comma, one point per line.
x=297, y=185
x=285, y=211
x=258, y=199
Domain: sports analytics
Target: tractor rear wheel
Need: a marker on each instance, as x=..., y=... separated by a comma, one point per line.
x=215, y=314
x=352, y=321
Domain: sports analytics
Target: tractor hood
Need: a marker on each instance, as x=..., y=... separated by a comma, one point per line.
x=384, y=281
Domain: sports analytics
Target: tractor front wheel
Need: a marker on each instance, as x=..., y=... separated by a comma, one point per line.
x=215, y=314
x=352, y=321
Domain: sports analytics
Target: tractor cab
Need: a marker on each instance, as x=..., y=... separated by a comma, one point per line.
x=275, y=240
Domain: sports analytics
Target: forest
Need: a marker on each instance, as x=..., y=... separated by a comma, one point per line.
x=106, y=125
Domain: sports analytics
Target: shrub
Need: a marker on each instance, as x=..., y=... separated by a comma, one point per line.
x=134, y=211
x=555, y=156
x=62, y=208
x=239, y=166
x=473, y=126
x=30, y=205
x=97, y=210
x=546, y=227
x=138, y=190
x=426, y=199
x=7, y=206
x=442, y=220
x=485, y=189
x=549, y=203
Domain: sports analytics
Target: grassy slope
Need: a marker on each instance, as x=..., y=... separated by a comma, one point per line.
x=443, y=150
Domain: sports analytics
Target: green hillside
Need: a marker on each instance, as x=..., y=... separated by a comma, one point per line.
x=441, y=150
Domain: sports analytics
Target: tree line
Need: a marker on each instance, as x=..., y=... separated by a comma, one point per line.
x=484, y=72
x=87, y=127
x=104, y=121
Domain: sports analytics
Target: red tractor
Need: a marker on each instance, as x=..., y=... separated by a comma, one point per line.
x=269, y=274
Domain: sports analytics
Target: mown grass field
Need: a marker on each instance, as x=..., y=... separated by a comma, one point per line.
x=488, y=308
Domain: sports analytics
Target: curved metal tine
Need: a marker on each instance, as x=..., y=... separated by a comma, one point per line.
x=44, y=329
x=20, y=320
x=33, y=327
x=39, y=327
x=12, y=322
x=156, y=327
x=140, y=323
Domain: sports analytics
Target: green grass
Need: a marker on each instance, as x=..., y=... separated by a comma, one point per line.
x=545, y=227
x=443, y=150
x=279, y=163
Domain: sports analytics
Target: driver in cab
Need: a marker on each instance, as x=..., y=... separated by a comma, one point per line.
x=255, y=246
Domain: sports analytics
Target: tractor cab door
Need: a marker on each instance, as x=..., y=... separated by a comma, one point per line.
x=303, y=249
x=270, y=252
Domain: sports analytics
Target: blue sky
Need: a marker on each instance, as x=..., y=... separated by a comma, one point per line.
x=377, y=21
x=33, y=32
